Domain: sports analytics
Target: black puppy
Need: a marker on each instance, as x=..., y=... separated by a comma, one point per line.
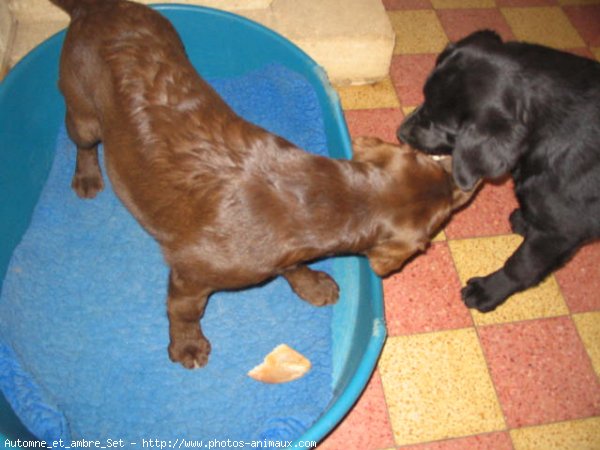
x=534, y=113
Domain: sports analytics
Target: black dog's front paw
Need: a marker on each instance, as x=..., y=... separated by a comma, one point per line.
x=477, y=295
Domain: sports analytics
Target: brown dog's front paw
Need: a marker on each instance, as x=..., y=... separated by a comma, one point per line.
x=317, y=288
x=192, y=354
x=87, y=186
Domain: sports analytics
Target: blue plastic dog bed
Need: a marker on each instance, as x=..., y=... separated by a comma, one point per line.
x=83, y=330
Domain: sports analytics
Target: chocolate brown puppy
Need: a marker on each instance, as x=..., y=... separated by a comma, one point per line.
x=230, y=204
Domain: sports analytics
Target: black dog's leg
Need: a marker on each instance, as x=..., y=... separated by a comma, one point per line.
x=518, y=223
x=537, y=256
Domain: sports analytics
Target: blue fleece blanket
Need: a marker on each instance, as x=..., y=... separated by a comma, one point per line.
x=83, y=327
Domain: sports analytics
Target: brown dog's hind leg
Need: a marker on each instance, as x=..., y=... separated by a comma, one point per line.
x=185, y=308
x=84, y=131
x=317, y=288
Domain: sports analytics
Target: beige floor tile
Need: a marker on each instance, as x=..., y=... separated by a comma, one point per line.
x=417, y=32
x=437, y=386
x=588, y=326
x=440, y=237
x=406, y=110
x=370, y=96
x=574, y=435
x=543, y=25
x=456, y=4
x=482, y=256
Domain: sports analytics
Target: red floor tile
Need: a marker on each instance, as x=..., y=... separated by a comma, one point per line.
x=392, y=5
x=409, y=73
x=458, y=23
x=374, y=122
x=367, y=426
x=491, y=441
x=425, y=295
x=487, y=214
x=579, y=280
x=541, y=371
x=586, y=19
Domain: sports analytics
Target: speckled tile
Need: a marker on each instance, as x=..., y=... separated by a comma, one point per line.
x=437, y=386
x=440, y=237
x=500, y=3
x=573, y=435
x=588, y=326
x=425, y=295
x=490, y=441
x=381, y=122
x=586, y=19
x=579, y=279
x=534, y=24
x=409, y=73
x=367, y=426
x=439, y=4
x=460, y=22
x=370, y=96
x=408, y=109
x=578, y=2
x=417, y=31
x=487, y=214
x=393, y=5
x=482, y=256
x=541, y=371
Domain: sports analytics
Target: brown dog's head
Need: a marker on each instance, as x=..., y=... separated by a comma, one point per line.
x=416, y=197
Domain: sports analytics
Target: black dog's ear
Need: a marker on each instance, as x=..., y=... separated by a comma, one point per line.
x=445, y=53
x=488, y=148
x=482, y=38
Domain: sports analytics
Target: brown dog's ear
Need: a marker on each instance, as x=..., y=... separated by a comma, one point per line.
x=369, y=149
x=374, y=150
x=390, y=256
x=365, y=142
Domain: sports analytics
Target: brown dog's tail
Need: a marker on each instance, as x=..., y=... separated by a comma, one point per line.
x=73, y=7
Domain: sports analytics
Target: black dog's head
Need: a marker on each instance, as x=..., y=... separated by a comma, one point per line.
x=471, y=110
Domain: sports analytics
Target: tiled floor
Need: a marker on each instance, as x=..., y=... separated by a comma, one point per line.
x=526, y=376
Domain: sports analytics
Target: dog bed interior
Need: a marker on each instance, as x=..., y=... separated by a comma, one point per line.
x=83, y=329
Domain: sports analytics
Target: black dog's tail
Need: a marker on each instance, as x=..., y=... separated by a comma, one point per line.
x=74, y=7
